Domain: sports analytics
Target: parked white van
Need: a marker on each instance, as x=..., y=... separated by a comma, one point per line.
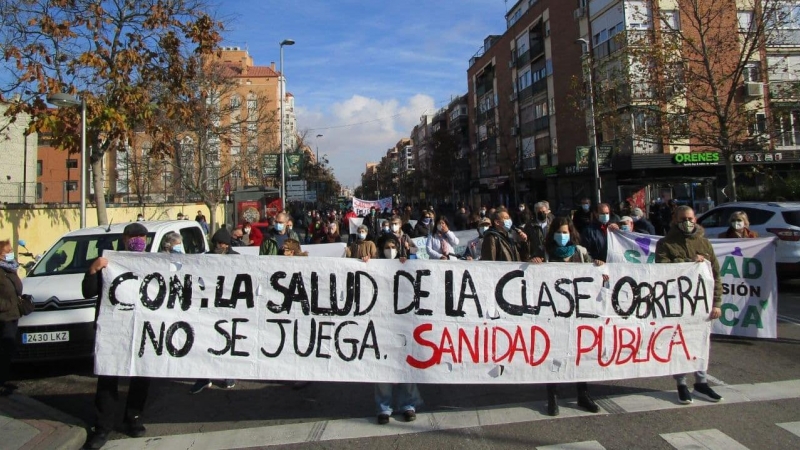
x=62, y=326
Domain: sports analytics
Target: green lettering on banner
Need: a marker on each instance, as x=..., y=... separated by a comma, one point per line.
x=632, y=256
x=751, y=268
x=752, y=317
x=729, y=267
x=723, y=318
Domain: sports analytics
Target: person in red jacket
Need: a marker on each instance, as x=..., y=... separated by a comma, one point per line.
x=255, y=236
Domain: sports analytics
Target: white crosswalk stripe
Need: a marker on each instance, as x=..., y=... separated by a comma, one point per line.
x=587, y=445
x=353, y=428
x=702, y=439
x=791, y=427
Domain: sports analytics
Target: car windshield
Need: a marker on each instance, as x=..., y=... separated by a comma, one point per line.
x=75, y=254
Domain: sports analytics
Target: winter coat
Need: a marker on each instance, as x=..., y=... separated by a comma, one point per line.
x=269, y=246
x=422, y=230
x=594, y=238
x=10, y=290
x=536, y=239
x=581, y=255
x=677, y=247
x=730, y=233
x=435, y=244
x=499, y=246
x=360, y=249
x=644, y=226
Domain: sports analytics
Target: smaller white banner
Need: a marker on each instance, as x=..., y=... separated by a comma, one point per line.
x=747, y=269
x=362, y=207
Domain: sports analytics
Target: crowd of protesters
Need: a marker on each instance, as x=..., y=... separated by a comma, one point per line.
x=523, y=234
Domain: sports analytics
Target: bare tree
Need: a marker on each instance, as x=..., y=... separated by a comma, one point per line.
x=224, y=132
x=679, y=78
x=110, y=53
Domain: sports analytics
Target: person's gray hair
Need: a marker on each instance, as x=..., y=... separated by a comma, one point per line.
x=170, y=240
x=538, y=205
x=637, y=212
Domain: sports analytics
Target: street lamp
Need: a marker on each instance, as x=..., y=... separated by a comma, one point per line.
x=282, y=82
x=586, y=58
x=60, y=100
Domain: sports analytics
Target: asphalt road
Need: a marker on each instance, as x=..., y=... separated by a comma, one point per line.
x=173, y=411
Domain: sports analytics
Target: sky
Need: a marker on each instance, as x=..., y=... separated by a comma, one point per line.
x=363, y=72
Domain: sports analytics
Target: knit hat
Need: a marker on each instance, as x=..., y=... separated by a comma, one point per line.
x=222, y=236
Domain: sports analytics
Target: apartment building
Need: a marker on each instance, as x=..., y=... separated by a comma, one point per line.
x=18, y=175
x=245, y=154
x=523, y=123
x=666, y=148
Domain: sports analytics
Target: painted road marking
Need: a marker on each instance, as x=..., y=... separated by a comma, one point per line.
x=791, y=427
x=702, y=439
x=330, y=430
x=587, y=445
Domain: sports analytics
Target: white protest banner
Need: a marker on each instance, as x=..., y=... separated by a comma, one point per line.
x=354, y=223
x=463, y=239
x=273, y=317
x=362, y=207
x=334, y=250
x=749, y=285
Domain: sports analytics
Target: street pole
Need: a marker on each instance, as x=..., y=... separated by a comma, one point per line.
x=282, y=81
x=316, y=183
x=587, y=63
x=61, y=99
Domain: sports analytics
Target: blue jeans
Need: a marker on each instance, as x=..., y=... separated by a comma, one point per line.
x=699, y=377
x=408, y=397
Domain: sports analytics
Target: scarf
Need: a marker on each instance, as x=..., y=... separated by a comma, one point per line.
x=731, y=233
x=9, y=266
x=564, y=252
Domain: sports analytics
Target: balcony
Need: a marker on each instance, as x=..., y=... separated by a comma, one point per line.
x=784, y=90
x=785, y=38
x=539, y=86
x=484, y=86
x=523, y=59
x=542, y=123
x=537, y=50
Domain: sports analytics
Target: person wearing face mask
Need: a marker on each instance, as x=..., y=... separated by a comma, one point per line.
x=739, y=227
x=252, y=234
x=625, y=223
x=407, y=248
x=386, y=230
x=134, y=239
x=329, y=234
x=498, y=242
x=523, y=215
x=640, y=223
x=473, y=250
x=10, y=291
x=237, y=238
x=595, y=236
x=362, y=248
x=277, y=236
x=685, y=242
x=440, y=243
x=482, y=212
x=536, y=230
x=172, y=243
x=424, y=226
x=561, y=245
x=582, y=216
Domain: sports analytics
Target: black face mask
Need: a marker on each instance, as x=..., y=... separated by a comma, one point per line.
x=541, y=216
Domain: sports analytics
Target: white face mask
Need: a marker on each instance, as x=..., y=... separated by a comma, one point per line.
x=362, y=236
x=439, y=227
x=395, y=228
x=737, y=225
x=390, y=253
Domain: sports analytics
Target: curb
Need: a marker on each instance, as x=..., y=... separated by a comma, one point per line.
x=26, y=424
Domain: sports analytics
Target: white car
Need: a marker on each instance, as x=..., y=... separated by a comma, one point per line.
x=62, y=326
x=781, y=219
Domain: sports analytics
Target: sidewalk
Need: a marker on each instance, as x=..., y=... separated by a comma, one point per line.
x=28, y=424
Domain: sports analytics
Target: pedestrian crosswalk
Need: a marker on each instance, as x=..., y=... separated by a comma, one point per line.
x=688, y=440
x=438, y=421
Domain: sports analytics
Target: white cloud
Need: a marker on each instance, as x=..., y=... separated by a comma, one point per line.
x=360, y=130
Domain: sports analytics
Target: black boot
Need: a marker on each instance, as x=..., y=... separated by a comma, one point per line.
x=552, y=400
x=584, y=400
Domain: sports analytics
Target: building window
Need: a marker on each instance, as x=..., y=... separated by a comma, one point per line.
x=670, y=20
x=759, y=125
x=235, y=149
x=524, y=79
x=72, y=164
x=70, y=186
x=745, y=20
x=39, y=168
x=39, y=192
x=752, y=72
x=236, y=102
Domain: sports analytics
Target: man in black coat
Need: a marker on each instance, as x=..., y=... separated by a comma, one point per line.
x=134, y=238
